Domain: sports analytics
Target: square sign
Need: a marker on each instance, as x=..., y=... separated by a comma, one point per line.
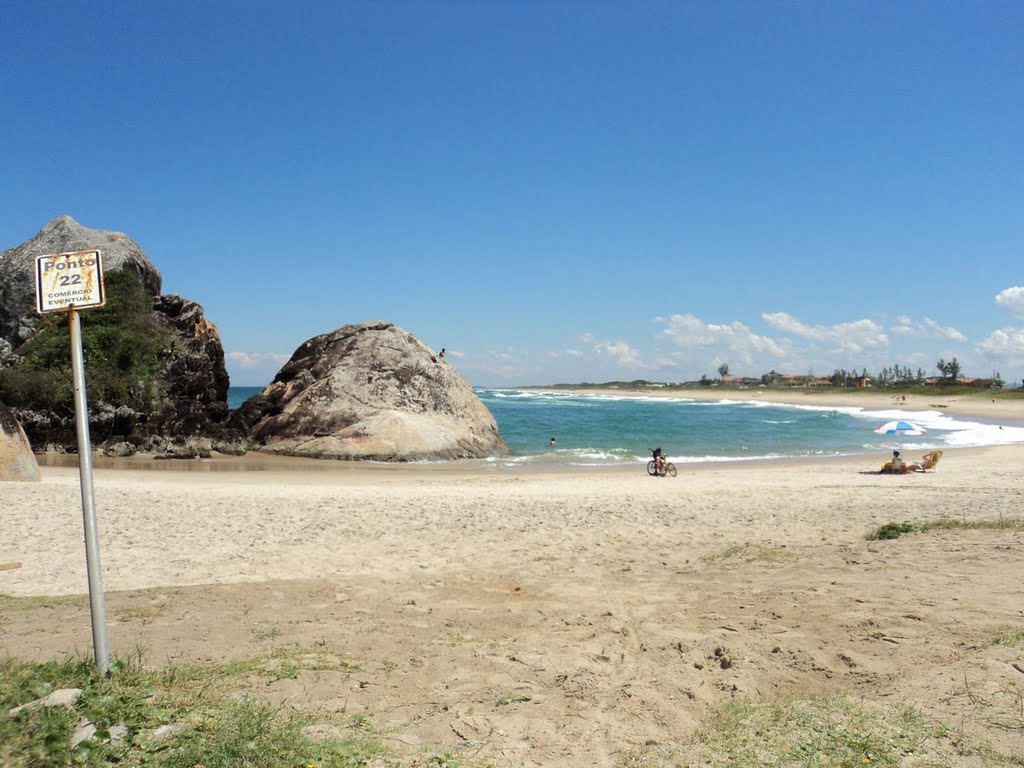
x=69, y=280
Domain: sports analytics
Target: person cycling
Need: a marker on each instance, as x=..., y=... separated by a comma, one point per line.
x=659, y=460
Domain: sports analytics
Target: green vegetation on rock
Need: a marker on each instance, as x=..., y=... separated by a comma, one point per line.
x=122, y=341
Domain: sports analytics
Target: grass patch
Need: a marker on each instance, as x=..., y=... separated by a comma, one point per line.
x=749, y=553
x=266, y=634
x=824, y=731
x=211, y=723
x=287, y=663
x=1010, y=638
x=513, y=698
x=891, y=531
x=141, y=614
x=895, y=530
x=11, y=603
x=1000, y=706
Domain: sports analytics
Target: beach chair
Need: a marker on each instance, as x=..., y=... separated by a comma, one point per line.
x=928, y=462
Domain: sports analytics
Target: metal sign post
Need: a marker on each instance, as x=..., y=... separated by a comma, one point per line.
x=97, y=602
x=67, y=282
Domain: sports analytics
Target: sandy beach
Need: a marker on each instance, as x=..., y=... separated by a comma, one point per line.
x=617, y=606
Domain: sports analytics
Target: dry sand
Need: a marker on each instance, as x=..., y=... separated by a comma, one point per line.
x=623, y=606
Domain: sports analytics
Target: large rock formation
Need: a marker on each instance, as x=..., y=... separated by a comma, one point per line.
x=17, y=461
x=370, y=391
x=63, y=234
x=178, y=406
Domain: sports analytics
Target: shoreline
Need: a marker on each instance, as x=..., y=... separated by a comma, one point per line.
x=259, y=468
x=979, y=405
x=962, y=407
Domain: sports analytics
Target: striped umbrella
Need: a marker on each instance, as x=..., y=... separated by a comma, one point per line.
x=900, y=427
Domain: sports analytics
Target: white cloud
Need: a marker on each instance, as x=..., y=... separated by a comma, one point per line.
x=736, y=339
x=671, y=360
x=620, y=352
x=249, y=360
x=786, y=323
x=253, y=368
x=623, y=354
x=684, y=346
x=1006, y=344
x=499, y=366
x=1013, y=300
x=905, y=326
x=848, y=338
x=943, y=331
x=926, y=329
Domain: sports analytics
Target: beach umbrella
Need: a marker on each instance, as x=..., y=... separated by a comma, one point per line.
x=900, y=427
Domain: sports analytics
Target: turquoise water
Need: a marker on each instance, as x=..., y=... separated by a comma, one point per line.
x=608, y=430
x=238, y=395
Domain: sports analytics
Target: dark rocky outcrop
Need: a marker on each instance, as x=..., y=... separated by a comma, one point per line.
x=178, y=406
x=369, y=391
x=194, y=381
x=17, y=461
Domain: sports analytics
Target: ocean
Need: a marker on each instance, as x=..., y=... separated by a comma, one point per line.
x=602, y=430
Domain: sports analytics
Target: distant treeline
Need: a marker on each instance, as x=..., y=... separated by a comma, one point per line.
x=909, y=386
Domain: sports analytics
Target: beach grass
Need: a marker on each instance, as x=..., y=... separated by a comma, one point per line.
x=184, y=715
x=895, y=530
x=180, y=715
x=832, y=730
x=52, y=602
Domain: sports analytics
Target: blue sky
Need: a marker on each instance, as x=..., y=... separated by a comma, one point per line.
x=553, y=191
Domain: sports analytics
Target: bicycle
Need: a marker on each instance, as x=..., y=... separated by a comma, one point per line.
x=667, y=469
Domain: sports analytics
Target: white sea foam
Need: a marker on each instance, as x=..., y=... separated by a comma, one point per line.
x=954, y=432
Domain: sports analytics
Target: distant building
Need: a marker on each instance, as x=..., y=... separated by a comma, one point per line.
x=738, y=381
x=792, y=380
x=963, y=381
x=796, y=380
